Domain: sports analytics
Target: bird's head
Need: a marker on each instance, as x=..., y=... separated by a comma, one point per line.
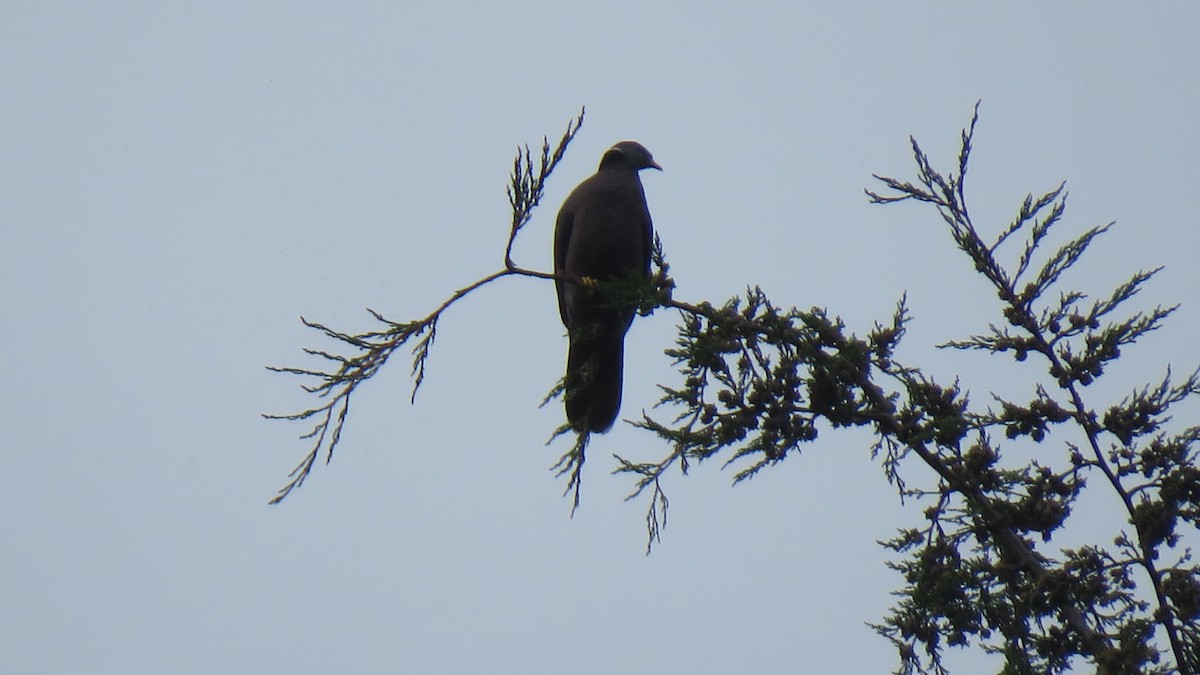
x=629, y=154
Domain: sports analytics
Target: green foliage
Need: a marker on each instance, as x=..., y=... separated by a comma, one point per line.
x=980, y=567
x=341, y=374
x=757, y=382
x=1120, y=591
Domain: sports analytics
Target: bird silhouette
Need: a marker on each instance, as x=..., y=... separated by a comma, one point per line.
x=603, y=232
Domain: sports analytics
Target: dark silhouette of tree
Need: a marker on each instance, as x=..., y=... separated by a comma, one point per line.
x=757, y=381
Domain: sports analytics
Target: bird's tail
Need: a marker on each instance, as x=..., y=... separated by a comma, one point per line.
x=595, y=361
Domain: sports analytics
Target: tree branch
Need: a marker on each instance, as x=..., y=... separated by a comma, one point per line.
x=369, y=351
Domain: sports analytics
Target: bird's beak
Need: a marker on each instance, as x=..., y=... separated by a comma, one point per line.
x=654, y=165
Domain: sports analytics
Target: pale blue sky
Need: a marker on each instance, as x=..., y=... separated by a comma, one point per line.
x=181, y=182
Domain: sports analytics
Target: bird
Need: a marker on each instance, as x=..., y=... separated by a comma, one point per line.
x=603, y=232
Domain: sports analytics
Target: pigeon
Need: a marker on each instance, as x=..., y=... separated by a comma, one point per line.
x=603, y=232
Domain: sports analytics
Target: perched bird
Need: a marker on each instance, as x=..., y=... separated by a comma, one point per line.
x=603, y=232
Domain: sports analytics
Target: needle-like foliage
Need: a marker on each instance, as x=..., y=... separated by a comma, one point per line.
x=340, y=374
x=980, y=567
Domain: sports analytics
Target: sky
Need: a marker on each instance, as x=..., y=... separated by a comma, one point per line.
x=183, y=181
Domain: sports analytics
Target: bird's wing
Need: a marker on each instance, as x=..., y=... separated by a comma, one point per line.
x=562, y=243
x=647, y=237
